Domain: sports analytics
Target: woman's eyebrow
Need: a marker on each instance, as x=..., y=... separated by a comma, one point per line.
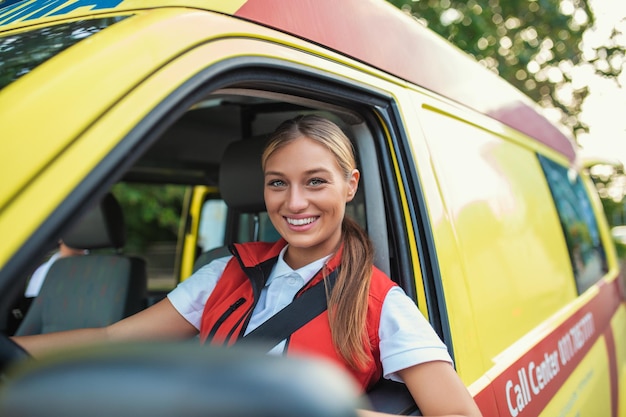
x=266, y=173
x=307, y=172
x=317, y=171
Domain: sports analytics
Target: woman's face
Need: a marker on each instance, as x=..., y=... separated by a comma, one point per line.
x=305, y=195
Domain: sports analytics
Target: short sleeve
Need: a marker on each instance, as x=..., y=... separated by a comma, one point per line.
x=190, y=296
x=406, y=337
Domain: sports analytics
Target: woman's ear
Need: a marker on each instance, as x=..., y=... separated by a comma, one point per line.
x=353, y=184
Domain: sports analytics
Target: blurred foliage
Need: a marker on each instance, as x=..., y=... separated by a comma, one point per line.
x=533, y=44
x=621, y=250
x=151, y=211
x=610, y=181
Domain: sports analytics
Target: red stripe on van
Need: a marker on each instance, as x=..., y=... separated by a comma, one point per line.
x=610, y=348
x=379, y=34
x=526, y=387
x=486, y=402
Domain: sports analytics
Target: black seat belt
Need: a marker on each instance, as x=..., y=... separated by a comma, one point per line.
x=296, y=314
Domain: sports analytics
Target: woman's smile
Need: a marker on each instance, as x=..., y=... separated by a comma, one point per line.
x=301, y=222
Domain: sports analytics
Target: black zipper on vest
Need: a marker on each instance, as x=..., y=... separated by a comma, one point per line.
x=246, y=319
x=224, y=316
x=257, y=275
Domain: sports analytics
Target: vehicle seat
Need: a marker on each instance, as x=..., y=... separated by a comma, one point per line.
x=241, y=188
x=91, y=290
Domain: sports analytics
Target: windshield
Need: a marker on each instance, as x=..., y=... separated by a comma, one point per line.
x=21, y=53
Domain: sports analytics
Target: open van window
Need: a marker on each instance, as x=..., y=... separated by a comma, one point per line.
x=579, y=223
x=189, y=147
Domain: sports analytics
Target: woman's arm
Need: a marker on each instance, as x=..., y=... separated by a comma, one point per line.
x=158, y=322
x=437, y=390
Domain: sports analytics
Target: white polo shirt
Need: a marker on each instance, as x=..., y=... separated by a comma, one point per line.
x=406, y=337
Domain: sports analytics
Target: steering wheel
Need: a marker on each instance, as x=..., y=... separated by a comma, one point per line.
x=10, y=352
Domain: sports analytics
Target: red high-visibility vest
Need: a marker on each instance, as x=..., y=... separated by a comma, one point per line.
x=229, y=308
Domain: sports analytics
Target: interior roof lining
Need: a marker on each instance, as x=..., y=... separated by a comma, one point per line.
x=346, y=115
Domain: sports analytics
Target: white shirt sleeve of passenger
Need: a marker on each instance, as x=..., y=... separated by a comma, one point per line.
x=38, y=277
x=406, y=337
x=190, y=296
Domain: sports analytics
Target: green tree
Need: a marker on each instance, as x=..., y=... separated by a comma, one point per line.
x=533, y=44
x=609, y=179
x=152, y=213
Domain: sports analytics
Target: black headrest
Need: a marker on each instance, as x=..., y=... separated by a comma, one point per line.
x=101, y=227
x=241, y=175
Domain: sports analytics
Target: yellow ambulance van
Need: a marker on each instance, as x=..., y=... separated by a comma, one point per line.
x=478, y=206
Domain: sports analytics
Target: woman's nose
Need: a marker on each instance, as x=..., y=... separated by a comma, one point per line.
x=296, y=199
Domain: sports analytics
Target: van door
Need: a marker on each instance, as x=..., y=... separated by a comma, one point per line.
x=523, y=251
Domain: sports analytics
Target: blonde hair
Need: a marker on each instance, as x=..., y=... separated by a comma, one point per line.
x=348, y=300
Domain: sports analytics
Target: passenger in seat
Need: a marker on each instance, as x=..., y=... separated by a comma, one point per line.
x=38, y=277
x=371, y=327
x=35, y=282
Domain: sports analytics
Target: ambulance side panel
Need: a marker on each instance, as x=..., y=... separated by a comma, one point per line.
x=540, y=340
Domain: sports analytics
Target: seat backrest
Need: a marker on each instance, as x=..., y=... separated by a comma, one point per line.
x=91, y=290
x=241, y=188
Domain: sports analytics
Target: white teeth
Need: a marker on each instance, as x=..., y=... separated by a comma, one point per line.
x=300, y=222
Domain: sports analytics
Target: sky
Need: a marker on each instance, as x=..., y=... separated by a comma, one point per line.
x=604, y=110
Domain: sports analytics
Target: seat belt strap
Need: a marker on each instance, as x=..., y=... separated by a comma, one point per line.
x=293, y=316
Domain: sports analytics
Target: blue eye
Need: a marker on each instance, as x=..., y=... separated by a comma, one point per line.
x=317, y=181
x=275, y=183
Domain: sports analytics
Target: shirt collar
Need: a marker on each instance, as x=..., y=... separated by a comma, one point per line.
x=307, y=272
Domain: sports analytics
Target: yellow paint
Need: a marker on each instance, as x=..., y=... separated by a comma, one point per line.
x=498, y=204
x=618, y=325
x=190, y=238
